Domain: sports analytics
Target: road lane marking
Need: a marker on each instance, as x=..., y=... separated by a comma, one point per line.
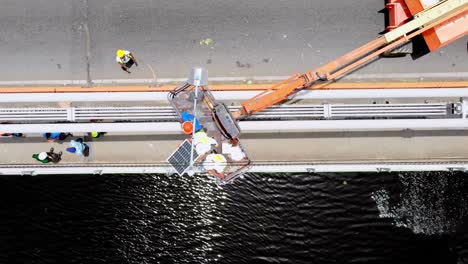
x=433, y=75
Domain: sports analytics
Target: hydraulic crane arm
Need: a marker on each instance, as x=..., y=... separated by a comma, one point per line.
x=423, y=21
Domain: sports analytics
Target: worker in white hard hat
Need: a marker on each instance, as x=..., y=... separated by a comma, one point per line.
x=234, y=150
x=46, y=157
x=125, y=59
x=215, y=164
x=41, y=157
x=203, y=142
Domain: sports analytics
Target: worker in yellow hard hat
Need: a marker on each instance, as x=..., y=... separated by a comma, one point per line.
x=125, y=59
x=96, y=134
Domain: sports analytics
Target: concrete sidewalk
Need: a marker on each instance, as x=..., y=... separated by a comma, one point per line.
x=358, y=147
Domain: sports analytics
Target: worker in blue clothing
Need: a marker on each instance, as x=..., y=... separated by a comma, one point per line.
x=78, y=147
x=51, y=137
x=187, y=117
x=12, y=135
x=55, y=136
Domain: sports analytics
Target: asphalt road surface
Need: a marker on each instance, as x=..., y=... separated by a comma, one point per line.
x=77, y=39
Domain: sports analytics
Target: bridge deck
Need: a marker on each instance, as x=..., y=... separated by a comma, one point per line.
x=356, y=147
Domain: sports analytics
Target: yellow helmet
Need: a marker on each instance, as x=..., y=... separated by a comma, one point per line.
x=219, y=158
x=120, y=53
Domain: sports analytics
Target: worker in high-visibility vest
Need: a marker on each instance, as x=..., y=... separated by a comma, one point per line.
x=215, y=163
x=203, y=142
x=125, y=59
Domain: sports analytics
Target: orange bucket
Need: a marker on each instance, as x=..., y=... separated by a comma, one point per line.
x=187, y=127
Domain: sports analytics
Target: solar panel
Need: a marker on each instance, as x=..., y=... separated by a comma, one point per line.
x=180, y=159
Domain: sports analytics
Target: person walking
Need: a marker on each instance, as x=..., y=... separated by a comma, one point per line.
x=125, y=59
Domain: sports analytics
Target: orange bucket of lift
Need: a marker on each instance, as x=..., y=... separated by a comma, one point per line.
x=187, y=127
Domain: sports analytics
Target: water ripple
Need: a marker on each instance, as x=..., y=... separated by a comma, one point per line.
x=262, y=218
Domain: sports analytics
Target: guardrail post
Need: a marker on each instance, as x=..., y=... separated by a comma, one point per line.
x=453, y=169
x=327, y=111
x=383, y=169
x=71, y=114
x=27, y=173
x=464, y=106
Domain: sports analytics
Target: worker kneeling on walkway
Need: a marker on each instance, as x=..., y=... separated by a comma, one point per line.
x=95, y=134
x=56, y=136
x=46, y=157
x=78, y=147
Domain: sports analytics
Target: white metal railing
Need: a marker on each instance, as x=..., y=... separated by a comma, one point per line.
x=340, y=111
x=125, y=113
x=389, y=110
x=166, y=113
x=33, y=114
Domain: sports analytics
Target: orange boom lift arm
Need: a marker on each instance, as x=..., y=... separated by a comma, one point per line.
x=448, y=17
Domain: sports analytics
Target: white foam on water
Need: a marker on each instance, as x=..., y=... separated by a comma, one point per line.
x=429, y=203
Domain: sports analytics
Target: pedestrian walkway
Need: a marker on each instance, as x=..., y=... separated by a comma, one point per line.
x=273, y=148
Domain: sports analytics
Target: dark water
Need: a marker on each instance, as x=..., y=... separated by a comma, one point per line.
x=280, y=218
